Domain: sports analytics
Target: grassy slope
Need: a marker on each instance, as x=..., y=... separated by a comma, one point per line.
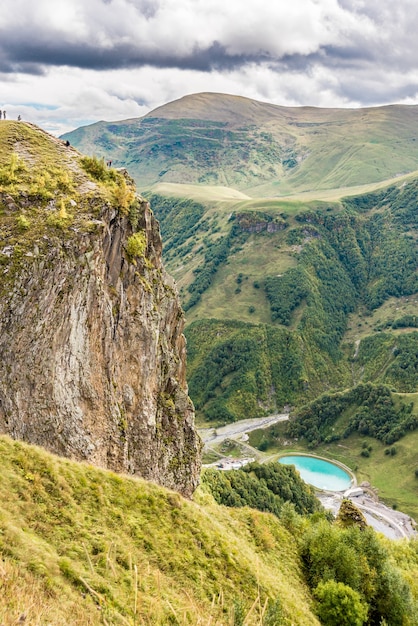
x=36, y=169
x=259, y=148
x=85, y=546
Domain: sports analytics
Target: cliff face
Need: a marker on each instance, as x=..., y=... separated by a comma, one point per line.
x=92, y=355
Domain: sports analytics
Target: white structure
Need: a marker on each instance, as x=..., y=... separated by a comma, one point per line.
x=354, y=492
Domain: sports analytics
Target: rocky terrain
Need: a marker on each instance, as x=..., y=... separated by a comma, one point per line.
x=92, y=355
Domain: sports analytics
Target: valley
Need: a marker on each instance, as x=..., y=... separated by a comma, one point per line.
x=292, y=237
x=298, y=277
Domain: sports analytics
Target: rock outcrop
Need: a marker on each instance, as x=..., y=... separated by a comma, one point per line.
x=92, y=355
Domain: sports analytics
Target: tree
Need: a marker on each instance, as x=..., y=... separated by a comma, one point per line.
x=339, y=605
x=350, y=515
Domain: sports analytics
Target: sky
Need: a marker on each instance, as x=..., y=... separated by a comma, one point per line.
x=68, y=63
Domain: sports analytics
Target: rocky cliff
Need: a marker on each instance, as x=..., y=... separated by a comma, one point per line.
x=92, y=355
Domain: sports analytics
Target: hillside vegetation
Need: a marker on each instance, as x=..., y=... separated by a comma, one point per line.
x=292, y=235
x=80, y=545
x=263, y=149
x=305, y=277
x=310, y=305
x=48, y=189
x=277, y=300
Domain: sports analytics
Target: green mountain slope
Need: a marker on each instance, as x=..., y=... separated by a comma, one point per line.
x=286, y=300
x=264, y=149
x=83, y=546
x=299, y=276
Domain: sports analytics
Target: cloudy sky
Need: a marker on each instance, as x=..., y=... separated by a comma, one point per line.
x=67, y=63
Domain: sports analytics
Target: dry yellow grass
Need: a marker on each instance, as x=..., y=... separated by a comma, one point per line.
x=83, y=546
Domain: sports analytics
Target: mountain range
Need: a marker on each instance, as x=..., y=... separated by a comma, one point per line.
x=292, y=235
x=259, y=148
x=297, y=303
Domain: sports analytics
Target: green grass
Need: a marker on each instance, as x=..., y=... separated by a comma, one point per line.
x=362, y=323
x=328, y=195
x=80, y=545
x=259, y=256
x=201, y=193
x=246, y=145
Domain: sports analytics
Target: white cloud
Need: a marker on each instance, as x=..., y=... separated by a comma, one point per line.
x=120, y=58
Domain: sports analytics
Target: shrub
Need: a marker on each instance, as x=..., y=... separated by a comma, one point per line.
x=95, y=167
x=124, y=196
x=22, y=222
x=136, y=245
x=339, y=605
x=60, y=219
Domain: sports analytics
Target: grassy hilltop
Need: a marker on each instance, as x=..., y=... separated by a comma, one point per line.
x=259, y=148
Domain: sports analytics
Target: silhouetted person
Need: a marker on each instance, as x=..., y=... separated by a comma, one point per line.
x=4, y=115
x=67, y=143
x=0, y=115
x=19, y=118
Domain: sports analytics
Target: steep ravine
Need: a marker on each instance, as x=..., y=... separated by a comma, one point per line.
x=92, y=355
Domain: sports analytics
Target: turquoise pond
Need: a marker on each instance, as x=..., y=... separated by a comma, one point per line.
x=319, y=473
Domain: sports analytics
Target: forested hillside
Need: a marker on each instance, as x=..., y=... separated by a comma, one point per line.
x=299, y=274
x=285, y=327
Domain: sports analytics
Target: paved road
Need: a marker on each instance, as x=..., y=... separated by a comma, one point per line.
x=230, y=431
x=393, y=524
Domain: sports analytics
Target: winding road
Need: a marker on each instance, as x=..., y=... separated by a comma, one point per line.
x=211, y=436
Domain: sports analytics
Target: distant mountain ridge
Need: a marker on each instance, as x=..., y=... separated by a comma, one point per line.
x=288, y=294
x=263, y=149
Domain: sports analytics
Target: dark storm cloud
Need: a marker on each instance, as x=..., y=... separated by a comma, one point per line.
x=30, y=57
x=188, y=34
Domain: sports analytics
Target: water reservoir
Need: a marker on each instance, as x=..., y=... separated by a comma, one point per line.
x=319, y=473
